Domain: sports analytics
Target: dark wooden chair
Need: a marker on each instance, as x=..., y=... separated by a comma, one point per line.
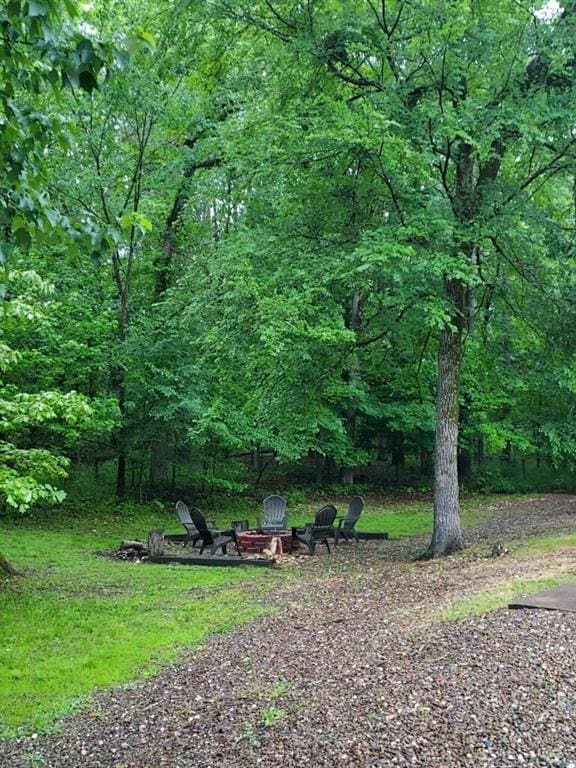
x=346, y=526
x=275, y=517
x=184, y=517
x=186, y=520
x=211, y=537
x=319, y=531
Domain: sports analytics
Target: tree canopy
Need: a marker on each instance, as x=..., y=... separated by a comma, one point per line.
x=331, y=236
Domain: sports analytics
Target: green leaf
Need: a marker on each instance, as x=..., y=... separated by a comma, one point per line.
x=85, y=51
x=22, y=238
x=147, y=37
x=134, y=218
x=37, y=8
x=126, y=221
x=70, y=6
x=144, y=223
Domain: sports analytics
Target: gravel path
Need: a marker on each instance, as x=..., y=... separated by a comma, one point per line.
x=522, y=518
x=354, y=670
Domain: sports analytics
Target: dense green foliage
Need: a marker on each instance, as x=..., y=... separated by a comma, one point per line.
x=240, y=244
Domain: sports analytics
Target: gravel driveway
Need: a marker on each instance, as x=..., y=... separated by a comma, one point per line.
x=354, y=669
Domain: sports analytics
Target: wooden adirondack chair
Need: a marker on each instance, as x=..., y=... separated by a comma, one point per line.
x=346, y=526
x=184, y=517
x=319, y=531
x=186, y=520
x=275, y=517
x=211, y=537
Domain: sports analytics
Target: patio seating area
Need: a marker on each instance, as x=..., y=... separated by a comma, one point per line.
x=271, y=529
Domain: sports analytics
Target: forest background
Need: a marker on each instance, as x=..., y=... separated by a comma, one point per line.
x=276, y=243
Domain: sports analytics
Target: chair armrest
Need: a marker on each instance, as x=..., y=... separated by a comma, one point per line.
x=301, y=528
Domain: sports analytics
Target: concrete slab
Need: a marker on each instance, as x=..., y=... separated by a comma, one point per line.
x=562, y=598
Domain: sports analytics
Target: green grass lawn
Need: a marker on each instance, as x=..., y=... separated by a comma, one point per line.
x=499, y=596
x=406, y=518
x=547, y=543
x=77, y=622
x=490, y=600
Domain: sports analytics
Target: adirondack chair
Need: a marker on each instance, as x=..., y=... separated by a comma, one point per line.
x=319, y=531
x=210, y=537
x=346, y=526
x=184, y=516
x=275, y=517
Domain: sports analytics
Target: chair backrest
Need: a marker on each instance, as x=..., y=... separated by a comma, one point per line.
x=200, y=522
x=275, y=510
x=240, y=525
x=354, y=509
x=183, y=513
x=325, y=517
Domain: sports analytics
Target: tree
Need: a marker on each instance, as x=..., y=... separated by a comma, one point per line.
x=40, y=51
x=475, y=122
x=26, y=472
x=145, y=136
x=304, y=240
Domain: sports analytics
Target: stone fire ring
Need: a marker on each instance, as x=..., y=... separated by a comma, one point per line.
x=254, y=542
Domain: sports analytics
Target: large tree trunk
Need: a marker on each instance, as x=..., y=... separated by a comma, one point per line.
x=121, y=476
x=164, y=261
x=350, y=375
x=319, y=464
x=159, y=457
x=447, y=535
x=121, y=439
x=347, y=473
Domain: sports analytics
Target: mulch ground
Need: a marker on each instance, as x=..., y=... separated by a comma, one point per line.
x=356, y=669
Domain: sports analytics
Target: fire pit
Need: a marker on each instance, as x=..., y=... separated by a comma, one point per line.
x=253, y=542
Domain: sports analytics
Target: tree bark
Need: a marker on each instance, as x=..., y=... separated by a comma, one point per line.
x=319, y=464
x=156, y=542
x=256, y=460
x=120, y=437
x=349, y=376
x=164, y=261
x=447, y=534
x=121, y=476
x=159, y=457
